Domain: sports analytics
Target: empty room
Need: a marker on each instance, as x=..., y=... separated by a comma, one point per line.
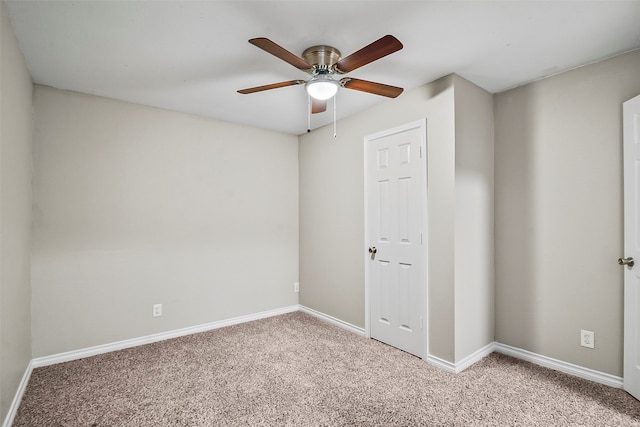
x=319, y=213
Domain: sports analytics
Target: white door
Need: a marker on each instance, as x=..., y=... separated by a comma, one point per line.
x=631, y=146
x=395, y=256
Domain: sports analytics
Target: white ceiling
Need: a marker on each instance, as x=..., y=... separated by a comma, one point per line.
x=192, y=56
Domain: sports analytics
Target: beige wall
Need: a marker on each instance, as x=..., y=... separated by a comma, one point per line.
x=558, y=170
x=16, y=124
x=135, y=206
x=474, y=230
x=332, y=211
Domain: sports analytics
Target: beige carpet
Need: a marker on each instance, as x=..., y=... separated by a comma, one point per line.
x=296, y=370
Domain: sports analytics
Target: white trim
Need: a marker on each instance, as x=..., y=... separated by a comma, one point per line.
x=474, y=357
x=134, y=342
x=13, y=409
x=441, y=363
x=337, y=322
x=456, y=368
x=424, y=235
x=538, y=359
x=559, y=365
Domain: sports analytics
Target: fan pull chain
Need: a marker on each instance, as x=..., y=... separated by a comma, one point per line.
x=308, y=113
x=335, y=132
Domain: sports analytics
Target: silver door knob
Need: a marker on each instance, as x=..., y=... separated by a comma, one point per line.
x=626, y=261
x=373, y=250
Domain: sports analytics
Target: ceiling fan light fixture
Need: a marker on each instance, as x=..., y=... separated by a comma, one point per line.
x=322, y=87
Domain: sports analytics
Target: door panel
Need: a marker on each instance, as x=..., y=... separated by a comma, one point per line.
x=384, y=232
x=385, y=291
x=631, y=145
x=395, y=199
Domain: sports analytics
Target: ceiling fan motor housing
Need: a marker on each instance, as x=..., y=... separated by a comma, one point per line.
x=321, y=57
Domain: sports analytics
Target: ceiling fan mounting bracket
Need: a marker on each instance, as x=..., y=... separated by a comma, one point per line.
x=322, y=58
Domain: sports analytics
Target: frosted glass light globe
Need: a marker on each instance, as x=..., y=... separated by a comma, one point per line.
x=322, y=87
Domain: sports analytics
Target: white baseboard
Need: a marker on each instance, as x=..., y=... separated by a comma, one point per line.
x=456, y=368
x=538, y=359
x=441, y=363
x=13, y=409
x=460, y=366
x=559, y=365
x=337, y=322
x=476, y=356
x=134, y=342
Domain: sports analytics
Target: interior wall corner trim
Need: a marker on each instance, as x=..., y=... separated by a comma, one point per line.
x=456, y=368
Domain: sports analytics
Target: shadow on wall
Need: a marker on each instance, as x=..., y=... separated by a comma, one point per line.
x=516, y=204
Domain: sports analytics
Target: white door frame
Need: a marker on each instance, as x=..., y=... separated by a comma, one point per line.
x=422, y=124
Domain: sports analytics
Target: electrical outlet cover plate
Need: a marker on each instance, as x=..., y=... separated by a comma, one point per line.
x=157, y=310
x=587, y=339
x=296, y=287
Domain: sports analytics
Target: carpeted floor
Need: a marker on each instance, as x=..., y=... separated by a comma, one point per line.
x=297, y=370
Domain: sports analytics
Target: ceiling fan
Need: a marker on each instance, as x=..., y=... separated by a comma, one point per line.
x=323, y=63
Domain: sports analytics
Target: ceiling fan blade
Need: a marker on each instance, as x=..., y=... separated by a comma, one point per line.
x=318, y=106
x=271, y=86
x=280, y=52
x=371, y=87
x=374, y=51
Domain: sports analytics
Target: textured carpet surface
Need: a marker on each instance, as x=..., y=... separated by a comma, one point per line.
x=297, y=370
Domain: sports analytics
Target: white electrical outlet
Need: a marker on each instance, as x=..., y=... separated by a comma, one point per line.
x=587, y=339
x=157, y=310
x=296, y=287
